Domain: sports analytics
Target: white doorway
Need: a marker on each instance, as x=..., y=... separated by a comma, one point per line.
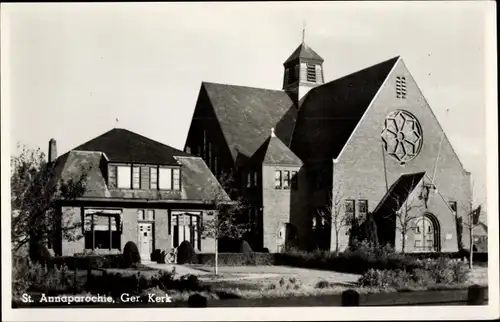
x=145, y=240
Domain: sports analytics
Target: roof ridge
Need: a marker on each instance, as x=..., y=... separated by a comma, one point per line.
x=243, y=86
x=145, y=137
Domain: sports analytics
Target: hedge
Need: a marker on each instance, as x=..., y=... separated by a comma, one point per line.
x=237, y=259
x=94, y=261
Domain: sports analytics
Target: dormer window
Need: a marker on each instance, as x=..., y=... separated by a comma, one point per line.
x=311, y=73
x=124, y=176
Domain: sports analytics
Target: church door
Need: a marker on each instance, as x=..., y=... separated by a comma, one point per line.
x=425, y=235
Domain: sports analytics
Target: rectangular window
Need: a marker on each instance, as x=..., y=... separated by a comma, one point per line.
x=136, y=178
x=177, y=179
x=124, y=177
x=277, y=179
x=165, y=179
x=295, y=180
x=185, y=227
x=209, y=156
x=286, y=179
x=216, y=166
x=154, y=178
x=363, y=208
x=349, y=207
x=112, y=176
x=141, y=215
x=311, y=73
x=188, y=149
x=151, y=215
x=255, y=179
x=249, y=179
x=101, y=229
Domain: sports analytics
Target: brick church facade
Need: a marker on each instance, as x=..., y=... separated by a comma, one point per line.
x=366, y=143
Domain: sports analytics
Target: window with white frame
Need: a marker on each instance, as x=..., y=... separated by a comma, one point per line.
x=124, y=176
x=102, y=228
x=277, y=179
x=136, y=178
x=153, y=178
x=286, y=179
x=185, y=227
x=165, y=179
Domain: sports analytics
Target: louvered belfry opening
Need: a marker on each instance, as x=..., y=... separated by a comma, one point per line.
x=311, y=73
x=401, y=87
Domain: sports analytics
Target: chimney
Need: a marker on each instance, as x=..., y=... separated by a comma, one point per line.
x=52, y=150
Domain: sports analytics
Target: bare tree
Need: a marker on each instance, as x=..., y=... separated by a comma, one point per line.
x=473, y=210
x=404, y=214
x=225, y=214
x=35, y=191
x=334, y=216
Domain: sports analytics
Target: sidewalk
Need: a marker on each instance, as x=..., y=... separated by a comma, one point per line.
x=179, y=269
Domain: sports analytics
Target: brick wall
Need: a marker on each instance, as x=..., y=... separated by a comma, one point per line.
x=281, y=206
x=360, y=174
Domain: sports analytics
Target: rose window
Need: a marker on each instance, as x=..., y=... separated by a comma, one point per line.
x=402, y=136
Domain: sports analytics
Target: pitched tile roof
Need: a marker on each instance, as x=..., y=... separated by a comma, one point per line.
x=71, y=165
x=330, y=112
x=246, y=115
x=398, y=193
x=274, y=151
x=304, y=52
x=198, y=182
x=121, y=145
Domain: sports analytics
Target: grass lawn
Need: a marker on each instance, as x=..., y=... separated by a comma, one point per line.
x=284, y=281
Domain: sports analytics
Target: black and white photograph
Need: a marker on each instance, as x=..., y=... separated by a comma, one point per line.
x=249, y=160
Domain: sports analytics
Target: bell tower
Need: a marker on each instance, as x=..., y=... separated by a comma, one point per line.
x=303, y=71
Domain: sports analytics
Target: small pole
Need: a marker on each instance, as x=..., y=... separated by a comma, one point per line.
x=350, y=298
x=475, y=295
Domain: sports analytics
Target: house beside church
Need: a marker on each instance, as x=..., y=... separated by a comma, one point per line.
x=367, y=142
x=137, y=190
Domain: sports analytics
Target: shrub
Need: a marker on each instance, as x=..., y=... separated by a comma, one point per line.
x=161, y=257
x=131, y=255
x=430, y=273
x=185, y=253
x=322, y=284
x=155, y=255
x=245, y=248
x=39, y=253
x=237, y=259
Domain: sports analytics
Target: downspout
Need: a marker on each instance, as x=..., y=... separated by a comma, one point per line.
x=385, y=168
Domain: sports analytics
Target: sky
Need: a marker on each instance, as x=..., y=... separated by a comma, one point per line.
x=75, y=69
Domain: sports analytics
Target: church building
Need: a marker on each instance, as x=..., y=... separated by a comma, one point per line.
x=315, y=158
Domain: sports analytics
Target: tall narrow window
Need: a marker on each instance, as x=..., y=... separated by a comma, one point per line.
x=295, y=180
x=141, y=215
x=165, y=179
x=209, y=156
x=177, y=179
x=277, y=179
x=112, y=176
x=151, y=214
x=204, y=153
x=124, y=177
x=154, y=178
x=249, y=179
x=311, y=73
x=136, y=178
x=362, y=208
x=216, y=165
x=255, y=179
x=349, y=208
x=286, y=179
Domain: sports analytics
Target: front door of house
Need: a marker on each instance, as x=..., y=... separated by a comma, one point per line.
x=145, y=240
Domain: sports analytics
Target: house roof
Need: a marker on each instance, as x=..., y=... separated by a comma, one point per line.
x=330, y=112
x=303, y=52
x=247, y=114
x=121, y=145
x=398, y=193
x=198, y=182
x=274, y=151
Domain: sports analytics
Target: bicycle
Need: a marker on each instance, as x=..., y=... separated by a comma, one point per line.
x=171, y=256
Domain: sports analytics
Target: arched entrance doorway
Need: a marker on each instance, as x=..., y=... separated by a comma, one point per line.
x=427, y=234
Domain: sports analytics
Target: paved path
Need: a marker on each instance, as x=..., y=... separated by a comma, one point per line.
x=179, y=269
